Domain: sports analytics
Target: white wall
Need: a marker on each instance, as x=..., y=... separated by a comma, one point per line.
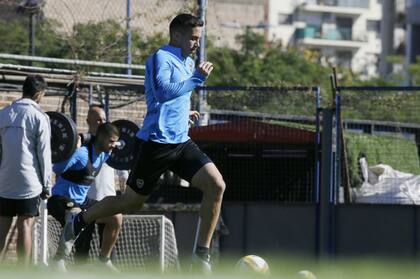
x=283, y=32
x=364, y=58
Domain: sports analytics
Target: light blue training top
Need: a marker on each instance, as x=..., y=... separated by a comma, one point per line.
x=77, y=161
x=169, y=81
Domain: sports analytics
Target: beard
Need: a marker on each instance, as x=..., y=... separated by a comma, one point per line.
x=194, y=53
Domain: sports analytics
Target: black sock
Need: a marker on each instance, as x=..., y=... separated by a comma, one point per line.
x=203, y=252
x=79, y=223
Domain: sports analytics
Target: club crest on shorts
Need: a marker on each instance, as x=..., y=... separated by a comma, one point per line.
x=139, y=183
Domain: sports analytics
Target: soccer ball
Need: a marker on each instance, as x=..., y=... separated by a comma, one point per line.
x=306, y=274
x=252, y=263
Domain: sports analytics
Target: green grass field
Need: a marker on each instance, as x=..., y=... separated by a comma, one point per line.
x=281, y=267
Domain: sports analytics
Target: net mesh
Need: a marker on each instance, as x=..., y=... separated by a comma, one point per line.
x=138, y=245
x=381, y=130
x=263, y=141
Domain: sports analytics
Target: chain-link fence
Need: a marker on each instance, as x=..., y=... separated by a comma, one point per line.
x=90, y=30
x=379, y=158
x=72, y=95
x=263, y=140
x=98, y=30
x=115, y=30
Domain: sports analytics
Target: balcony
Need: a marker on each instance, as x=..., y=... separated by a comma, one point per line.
x=362, y=4
x=339, y=37
x=341, y=7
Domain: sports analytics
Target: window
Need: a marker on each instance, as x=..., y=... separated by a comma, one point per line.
x=328, y=2
x=285, y=18
x=364, y=4
x=373, y=26
x=344, y=59
x=327, y=17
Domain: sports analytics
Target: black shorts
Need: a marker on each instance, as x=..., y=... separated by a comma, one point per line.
x=23, y=207
x=57, y=206
x=153, y=159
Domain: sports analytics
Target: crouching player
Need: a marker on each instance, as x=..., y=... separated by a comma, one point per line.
x=75, y=176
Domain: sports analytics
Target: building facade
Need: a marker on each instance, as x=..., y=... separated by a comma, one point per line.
x=344, y=32
x=413, y=33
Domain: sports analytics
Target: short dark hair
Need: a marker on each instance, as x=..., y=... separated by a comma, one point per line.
x=33, y=84
x=183, y=22
x=107, y=129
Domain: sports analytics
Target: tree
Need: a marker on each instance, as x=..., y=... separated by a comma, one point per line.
x=47, y=41
x=256, y=65
x=106, y=41
x=98, y=41
x=414, y=70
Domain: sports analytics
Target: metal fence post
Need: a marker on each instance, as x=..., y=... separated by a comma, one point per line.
x=338, y=149
x=202, y=57
x=129, y=55
x=317, y=143
x=73, y=101
x=32, y=30
x=106, y=106
x=90, y=96
x=326, y=237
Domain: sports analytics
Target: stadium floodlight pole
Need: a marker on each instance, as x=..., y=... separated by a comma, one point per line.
x=129, y=55
x=201, y=57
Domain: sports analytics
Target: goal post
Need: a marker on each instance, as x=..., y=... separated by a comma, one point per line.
x=145, y=242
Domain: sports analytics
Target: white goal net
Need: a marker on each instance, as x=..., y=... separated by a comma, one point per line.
x=145, y=242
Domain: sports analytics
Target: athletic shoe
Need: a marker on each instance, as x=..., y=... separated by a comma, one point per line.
x=201, y=265
x=60, y=265
x=68, y=237
x=109, y=265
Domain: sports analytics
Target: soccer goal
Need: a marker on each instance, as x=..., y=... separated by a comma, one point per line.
x=146, y=242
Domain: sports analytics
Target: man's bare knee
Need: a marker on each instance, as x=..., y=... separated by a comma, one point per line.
x=114, y=221
x=220, y=187
x=215, y=188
